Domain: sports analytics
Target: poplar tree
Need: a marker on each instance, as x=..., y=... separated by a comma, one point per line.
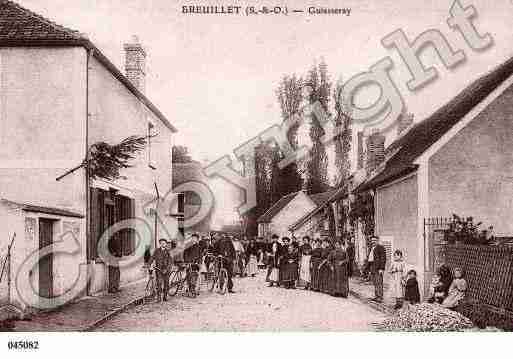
x=317, y=162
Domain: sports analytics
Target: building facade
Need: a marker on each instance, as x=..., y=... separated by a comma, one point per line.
x=59, y=95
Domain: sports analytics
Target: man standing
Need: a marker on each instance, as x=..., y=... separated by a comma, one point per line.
x=377, y=261
x=224, y=247
x=161, y=261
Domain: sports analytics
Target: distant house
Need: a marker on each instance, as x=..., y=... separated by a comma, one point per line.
x=459, y=160
x=59, y=95
x=195, y=220
x=317, y=223
x=285, y=212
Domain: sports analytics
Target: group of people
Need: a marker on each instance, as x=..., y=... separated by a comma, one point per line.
x=238, y=257
x=319, y=265
x=447, y=287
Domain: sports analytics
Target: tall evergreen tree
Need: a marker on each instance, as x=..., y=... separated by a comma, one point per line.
x=317, y=165
x=342, y=141
x=260, y=168
x=290, y=97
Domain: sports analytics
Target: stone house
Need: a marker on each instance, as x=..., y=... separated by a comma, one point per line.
x=284, y=213
x=59, y=95
x=458, y=160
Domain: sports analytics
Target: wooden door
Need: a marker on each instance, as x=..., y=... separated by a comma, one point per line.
x=46, y=262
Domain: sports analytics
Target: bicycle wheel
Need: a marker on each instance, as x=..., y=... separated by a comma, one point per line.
x=175, y=282
x=199, y=282
x=150, y=291
x=212, y=283
x=223, y=281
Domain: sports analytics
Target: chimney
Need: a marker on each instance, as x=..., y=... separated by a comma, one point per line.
x=375, y=150
x=135, y=63
x=360, y=151
x=405, y=121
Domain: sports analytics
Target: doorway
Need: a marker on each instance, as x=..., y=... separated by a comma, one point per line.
x=113, y=271
x=46, y=262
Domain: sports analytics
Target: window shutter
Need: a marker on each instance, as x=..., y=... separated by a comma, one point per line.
x=93, y=223
x=131, y=233
x=96, y=222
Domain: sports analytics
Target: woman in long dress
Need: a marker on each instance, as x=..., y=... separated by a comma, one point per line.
x=289, y=267
x=315, y=261
x=338, y=284
x=305, y=277
x=251, y=258
x=273, y=259
x=325, y=272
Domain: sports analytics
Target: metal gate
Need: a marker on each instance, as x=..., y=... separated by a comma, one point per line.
x=434, y=235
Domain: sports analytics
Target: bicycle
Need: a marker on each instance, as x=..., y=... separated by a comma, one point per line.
x=208, y=271
x=179, y=280
x=150, y=292
x=220, y=279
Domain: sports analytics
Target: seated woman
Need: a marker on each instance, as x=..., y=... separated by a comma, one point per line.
x=315, y=261
x=445, y=278
x=339, y=282
x=456, y=290
x=289, y=268
x=436, y=290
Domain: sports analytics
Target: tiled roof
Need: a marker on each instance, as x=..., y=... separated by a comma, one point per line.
x=186, y=172
x=18, y=23
x=22, y=27
x=320, y=198
x=424, y=134
x=276, y=208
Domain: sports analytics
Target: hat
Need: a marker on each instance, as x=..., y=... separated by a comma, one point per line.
x=163, y=240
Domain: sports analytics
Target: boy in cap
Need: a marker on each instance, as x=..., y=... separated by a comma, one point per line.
x=161, y=262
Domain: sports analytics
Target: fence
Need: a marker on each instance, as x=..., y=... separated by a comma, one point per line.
x=489, y=274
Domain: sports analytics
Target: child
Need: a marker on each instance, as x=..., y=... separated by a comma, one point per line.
x=397, y=272
x=436, y=290
x=456, y=290
x=411, y=291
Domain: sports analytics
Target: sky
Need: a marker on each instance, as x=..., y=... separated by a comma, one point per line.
x=215, y=76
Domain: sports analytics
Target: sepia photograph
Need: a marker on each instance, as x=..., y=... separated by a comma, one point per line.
x=255, y=167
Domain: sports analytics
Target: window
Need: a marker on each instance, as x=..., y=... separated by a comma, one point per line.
x=108, y=208
x=151, y=134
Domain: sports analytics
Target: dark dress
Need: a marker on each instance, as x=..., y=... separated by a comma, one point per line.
x=338, y=284
x=350, y=259
x=325, y=272
x=411, y=291
x=289, y=269
x=315, y=261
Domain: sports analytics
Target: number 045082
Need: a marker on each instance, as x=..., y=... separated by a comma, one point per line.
x=23, y=345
